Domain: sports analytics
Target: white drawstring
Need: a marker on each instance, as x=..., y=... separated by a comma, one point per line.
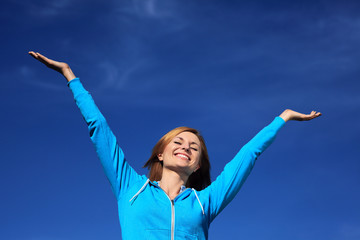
x=142, y=188
x=199, y=201
x=147, y=181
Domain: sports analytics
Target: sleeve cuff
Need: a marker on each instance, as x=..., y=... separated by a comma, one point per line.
x=76, y=87
x=279, y=122
x=73, y=80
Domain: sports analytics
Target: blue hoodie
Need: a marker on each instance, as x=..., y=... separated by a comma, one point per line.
x=145, y=210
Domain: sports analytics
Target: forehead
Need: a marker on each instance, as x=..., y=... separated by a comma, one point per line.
x=188, y=136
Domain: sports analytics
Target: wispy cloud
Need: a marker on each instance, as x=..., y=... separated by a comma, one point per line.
x=53, y=8
x=25, y=73
x=139, y=24
x=44, y=8
x=152, y=8
x=117, y=77
x=149, y=8
x=167, y=14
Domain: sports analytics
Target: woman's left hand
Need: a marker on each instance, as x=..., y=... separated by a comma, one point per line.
x=289, y=114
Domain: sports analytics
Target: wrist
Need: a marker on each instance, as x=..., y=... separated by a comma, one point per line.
x=68, y=74
x=286, y=115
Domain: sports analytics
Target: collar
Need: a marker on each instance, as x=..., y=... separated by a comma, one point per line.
x=182, y=188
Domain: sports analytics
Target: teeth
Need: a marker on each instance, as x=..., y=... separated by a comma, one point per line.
x=182, y=156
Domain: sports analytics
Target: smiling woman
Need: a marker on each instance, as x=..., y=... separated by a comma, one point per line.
x=192, y=145
x=177, y=200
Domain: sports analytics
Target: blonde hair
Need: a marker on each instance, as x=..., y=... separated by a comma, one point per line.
x=197, y=180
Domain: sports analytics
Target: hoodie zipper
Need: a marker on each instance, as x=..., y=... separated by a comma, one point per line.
x=172, y=215
x=172, y=203
x=172, y=212
x=172, y=219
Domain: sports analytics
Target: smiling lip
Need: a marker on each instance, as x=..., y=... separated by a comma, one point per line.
x=183, y=154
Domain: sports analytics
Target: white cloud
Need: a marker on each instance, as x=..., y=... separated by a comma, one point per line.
x=28, y=76
x=50, y=8
x=117, y=76
x=168, y=13
x=154, y=8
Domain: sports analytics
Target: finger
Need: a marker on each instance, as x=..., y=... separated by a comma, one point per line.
x=43, y=59
x=308, y=117
x=313, y=115
x=33, y=54
x=39, y=57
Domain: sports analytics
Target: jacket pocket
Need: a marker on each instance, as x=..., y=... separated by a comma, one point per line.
x=179, y=235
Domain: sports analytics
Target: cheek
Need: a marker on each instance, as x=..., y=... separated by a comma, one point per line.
x=168, y=151
x=198, y=158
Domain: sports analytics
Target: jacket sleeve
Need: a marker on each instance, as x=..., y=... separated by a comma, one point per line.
x=119, y=173
x=229, y=182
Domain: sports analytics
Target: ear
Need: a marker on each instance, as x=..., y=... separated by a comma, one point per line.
x=160, y=157
x=197, y=168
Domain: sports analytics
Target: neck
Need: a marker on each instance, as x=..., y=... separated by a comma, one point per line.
x=171, y=182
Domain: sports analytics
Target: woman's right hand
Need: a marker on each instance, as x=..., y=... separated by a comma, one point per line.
x=60, y=67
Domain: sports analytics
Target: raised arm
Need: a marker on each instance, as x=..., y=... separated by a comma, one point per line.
x=229, y=182
x=117, y=170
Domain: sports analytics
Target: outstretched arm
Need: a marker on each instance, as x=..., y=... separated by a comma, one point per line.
x=229, y=182
x=117, y=170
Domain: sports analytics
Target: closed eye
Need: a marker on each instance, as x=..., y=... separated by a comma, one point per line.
x=177, y=142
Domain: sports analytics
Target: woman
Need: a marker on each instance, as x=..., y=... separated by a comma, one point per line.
x=177, y=201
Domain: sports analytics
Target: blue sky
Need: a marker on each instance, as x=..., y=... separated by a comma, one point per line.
x=224, y=67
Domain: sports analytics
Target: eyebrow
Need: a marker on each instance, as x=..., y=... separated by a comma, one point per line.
x=190, y=143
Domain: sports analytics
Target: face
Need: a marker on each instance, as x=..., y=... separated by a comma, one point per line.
x=182, y=153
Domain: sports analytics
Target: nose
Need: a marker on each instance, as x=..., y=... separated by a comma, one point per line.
x=186, y=148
